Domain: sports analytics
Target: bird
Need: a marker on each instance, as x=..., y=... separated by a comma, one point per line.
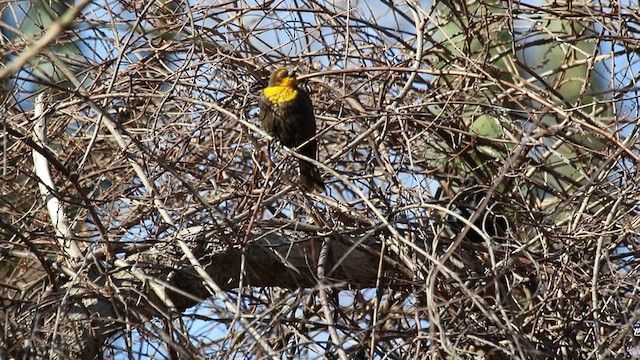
x=286, y=112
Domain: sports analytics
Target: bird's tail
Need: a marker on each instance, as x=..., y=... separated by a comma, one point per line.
x=310, y=179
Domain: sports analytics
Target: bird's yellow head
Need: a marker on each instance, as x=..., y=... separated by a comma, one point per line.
x=283, y=77
x=283, y=86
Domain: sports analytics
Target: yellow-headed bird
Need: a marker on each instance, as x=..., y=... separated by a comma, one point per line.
x=286, y=112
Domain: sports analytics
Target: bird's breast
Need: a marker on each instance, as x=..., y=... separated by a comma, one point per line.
x=280, y=94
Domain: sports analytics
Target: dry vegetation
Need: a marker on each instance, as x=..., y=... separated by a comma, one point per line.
x=480, y=162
